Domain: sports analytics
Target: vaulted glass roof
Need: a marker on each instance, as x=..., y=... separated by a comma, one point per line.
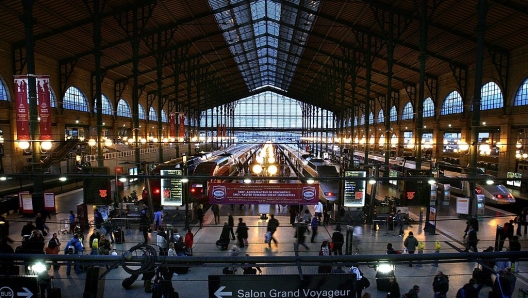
x=266, y=37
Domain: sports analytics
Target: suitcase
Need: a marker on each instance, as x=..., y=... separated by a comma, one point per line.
x=119, y=236
x=54, y=292
x=127, y=282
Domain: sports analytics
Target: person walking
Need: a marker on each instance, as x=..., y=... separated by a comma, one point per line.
x=144, y=222
x=413, y=293
x=399, y=221
x=300, y=233
x=242, y=233
x=314, y=225
x=338, y=239
x=469, y=290
x=74, y=246
x=472, y=240
x=53, y=248
x=307, y=217
x=200, y=214
x=158, y=219
x=394, y=288
x=231, y=224
x=410, y=244
x=189, y=242
x=523, y=222
x=273, y=224
x=216, y=212
x=98, y=219
x=93, y=242
x=162, y=240
x=72, y=220
x=39, y=224
x=440, y=285
x=318, y=210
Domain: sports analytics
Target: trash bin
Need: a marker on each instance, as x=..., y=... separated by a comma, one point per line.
x=383, y=274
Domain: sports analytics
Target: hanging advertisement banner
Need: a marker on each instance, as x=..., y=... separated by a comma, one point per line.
x=22, y=107
x=354, y=194
x=172, y=125
x=257, y=193
x=182, y=125
x=43, y=95
x=171, y=188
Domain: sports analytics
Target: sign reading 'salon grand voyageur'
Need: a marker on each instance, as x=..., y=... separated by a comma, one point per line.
x=276, y=193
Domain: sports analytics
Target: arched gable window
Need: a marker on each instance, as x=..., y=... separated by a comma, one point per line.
x=428, y=108
x=381, y=116
x=362, y=120
x=521, y=98
x=106, y=106
x=393, y=114
x=371, y=118
x=3, y=90
x=408, y=111
x=452, y=104
x=153, y=116
x=491, y=97
x=141, y=112
x=164, y=116
x=74, y=99
x=123, y=109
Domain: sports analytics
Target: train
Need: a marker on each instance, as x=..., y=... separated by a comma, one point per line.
x=314, y=167
x=225, y=164
x=495, y=192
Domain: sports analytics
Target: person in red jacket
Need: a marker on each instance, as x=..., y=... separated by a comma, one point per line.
x=189, y=241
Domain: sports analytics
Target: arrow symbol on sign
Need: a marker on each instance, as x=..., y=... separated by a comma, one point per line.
x=220, y=294
x=27, y=293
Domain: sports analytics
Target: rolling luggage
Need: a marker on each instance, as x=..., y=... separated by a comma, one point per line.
x=119, y=236
x=54, y=292
x=222, y=244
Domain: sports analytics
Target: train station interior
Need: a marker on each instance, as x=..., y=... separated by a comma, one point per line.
x=400, y=99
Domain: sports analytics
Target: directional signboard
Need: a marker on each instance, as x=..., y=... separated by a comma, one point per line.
x=19, y=286
x=273, y=286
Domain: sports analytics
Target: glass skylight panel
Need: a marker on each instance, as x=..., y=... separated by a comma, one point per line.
x=254, y=33
x=274, y=10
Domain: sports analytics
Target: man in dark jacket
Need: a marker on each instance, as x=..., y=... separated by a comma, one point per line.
x=338, y=240
x=468, y=290
x=273, y=224
x=440, y=285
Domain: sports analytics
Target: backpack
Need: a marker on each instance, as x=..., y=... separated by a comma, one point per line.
x=70, y=250
x=461, y=293
x=95, y=243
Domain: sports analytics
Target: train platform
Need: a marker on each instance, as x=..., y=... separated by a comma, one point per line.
x=449, y=232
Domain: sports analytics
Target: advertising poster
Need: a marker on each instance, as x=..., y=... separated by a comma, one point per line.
x=171, y=188
x=49, y=202
x=354, y=194
x=27, y=203
x=275, y=193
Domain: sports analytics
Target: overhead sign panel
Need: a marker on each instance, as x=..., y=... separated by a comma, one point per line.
x=261, y=193
x=354, y=194
x=19, y=286
x=273, y=286
x=171, y=188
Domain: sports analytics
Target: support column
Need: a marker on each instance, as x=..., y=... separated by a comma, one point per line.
x=29, y=22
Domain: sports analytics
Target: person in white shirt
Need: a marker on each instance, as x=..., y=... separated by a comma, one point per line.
x=318, y=210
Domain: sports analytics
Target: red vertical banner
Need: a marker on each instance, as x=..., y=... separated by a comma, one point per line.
x=22, y=107
x=182, y=125
x=43, y=94
x=172, y=125
x=224, y=132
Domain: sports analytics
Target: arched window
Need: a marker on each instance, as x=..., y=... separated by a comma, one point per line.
x=141, y=112
x=452, y=104
x=75, y=100
x=491, y=97
x=123, y=109
x=393, y=114
x=408, y=112
x=371, y=118
x=428, y=108
x=3, y=91
x=521, y=98
x=106, y=106
x=381, y=116
x=164, y=116
x=355, y=121
x=362, y=120
x=153, y=116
